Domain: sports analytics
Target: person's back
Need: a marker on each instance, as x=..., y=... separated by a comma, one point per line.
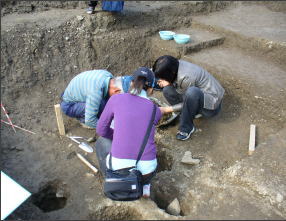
x=86, y=95
x=86, y=84
x=190, y=74
x=131, y=113
x=131, y=118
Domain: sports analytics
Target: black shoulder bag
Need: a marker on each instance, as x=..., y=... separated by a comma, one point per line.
x=126, y=184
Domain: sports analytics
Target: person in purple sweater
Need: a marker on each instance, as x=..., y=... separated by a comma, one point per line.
x=131, y=113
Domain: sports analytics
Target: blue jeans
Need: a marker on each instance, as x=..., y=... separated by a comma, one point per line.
x=193, y=105
x=77, y=109
x=102, y=149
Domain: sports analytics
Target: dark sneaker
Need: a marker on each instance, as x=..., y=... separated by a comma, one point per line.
x=90, y=10
x=184, y=135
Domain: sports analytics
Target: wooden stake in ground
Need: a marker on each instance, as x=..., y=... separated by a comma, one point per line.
x=86, y=162
x=251, y=146
x=60, y=121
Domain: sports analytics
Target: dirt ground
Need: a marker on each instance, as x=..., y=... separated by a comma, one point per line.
x=44, y=44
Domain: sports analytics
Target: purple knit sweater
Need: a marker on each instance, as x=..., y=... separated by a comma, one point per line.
x=131, y=118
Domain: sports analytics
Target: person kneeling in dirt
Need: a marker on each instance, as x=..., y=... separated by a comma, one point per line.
x=131, y=113
x=190, y=89
x=86, y=95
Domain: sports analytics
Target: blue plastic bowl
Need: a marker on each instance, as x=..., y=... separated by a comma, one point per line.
x=182, y=38
x=166, y=35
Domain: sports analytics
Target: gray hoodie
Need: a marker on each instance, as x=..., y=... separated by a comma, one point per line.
x=193, y=75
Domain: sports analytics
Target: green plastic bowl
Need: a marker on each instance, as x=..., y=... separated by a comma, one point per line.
x=182, y=38
x=166, y=35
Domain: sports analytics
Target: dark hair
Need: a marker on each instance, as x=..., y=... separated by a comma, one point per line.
x=166, y=67
x=139, y=83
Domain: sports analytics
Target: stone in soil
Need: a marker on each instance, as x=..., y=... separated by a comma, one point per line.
x=174, y=208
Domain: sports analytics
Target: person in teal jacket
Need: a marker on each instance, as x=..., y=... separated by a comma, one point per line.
x=86, y=95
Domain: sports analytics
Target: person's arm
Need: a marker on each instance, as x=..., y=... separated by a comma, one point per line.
x=91, y=109
x=166, y=110
x=158, y=115
x=177, y=107
x=103, y=125
x=163, y=83
x=173, y=108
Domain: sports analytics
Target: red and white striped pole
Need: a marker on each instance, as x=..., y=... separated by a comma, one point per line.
x=8, y=117
x=18, y=127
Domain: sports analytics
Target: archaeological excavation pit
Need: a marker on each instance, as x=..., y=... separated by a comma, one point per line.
x=45, y=44
x=115, y=213
x=164, y=192
x=51, y=196
x=165, y=160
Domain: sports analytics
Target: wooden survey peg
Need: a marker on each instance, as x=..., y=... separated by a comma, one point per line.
x=251, y=147
x=60, y=121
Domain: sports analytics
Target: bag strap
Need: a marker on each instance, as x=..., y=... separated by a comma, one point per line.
x=144, y=140
x=147, y=134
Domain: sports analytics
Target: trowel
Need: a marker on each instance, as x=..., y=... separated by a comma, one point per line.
x=84, y=146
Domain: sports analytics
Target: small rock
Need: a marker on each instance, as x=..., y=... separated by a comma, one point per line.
x=19, y=148
x=13, y=148
x=60, y=194
x=279, y=198
x=186, y=174
x=79, y=17
x=71, y=155
x=91, y=139
x=188, y=159
x=188, y=154
x=174, y=208
x=67, y=38
x=89, y=174
x=194, y=161
x=269, y=44
x=70, y=145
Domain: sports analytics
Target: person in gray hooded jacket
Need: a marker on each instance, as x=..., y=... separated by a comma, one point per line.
x=190, y=89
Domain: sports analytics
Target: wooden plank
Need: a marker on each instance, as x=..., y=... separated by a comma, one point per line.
x=60, y=121
x=86, y=163
x=251, y=147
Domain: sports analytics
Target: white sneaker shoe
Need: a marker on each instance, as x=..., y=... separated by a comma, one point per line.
x=90, y=10
x=198, y=116
x=146, y=190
